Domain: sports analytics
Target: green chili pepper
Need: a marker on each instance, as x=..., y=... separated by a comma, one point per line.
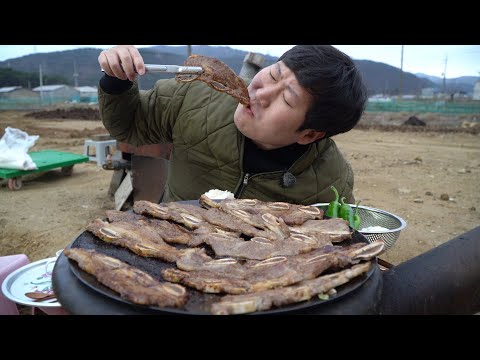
x=346, y=212
x=334, y=206
x=356, y=218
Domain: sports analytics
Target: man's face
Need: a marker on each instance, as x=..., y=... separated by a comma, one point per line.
x=278, y=105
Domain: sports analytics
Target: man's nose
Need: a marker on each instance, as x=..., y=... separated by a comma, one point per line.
x=266, y=94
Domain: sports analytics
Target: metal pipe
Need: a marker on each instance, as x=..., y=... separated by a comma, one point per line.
x=444, y=280
x=117, y=165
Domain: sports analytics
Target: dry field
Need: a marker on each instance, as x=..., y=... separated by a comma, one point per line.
x=404, y=172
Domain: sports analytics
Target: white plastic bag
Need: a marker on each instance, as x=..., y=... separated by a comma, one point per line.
x=14, y=147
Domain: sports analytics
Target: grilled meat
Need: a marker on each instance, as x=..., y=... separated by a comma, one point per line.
x=115, y=215
x=188, y=215
x=230, y=223
x=170, y=232
x=291, y=214
x=131, y=283
x=260, y=248
x=205, y=231
x=140, y=239
x=218, y=76
x=232, y=277
x=336, y=229
x=264, y=300
x=270, y=247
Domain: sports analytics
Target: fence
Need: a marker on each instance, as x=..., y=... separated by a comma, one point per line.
x=37, y=103
x=443, y=107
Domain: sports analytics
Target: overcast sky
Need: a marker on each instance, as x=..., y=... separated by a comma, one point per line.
x=461, y=60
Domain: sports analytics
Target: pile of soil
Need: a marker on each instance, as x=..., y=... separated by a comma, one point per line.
x=431, y=122
x=412, y=128
x=82, y=113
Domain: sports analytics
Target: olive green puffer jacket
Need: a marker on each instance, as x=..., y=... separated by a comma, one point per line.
x=208, y=148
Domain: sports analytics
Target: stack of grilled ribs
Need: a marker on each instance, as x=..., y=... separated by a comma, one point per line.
x=266, y=254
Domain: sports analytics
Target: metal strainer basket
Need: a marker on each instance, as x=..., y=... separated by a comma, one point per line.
x=376, y=217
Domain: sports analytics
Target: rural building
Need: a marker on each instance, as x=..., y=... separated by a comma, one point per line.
x=17, y=92
x=88, y=94
x=18, y=98
x=476, y=91
x=51, y=94
x=428, y=93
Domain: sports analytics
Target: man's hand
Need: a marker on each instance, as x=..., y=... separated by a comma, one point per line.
x=122, y=61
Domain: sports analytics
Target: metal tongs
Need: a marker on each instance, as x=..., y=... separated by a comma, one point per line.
x=158, y=69
x=176, y=69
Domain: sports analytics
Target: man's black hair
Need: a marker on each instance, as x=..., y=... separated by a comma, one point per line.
x=340, y=96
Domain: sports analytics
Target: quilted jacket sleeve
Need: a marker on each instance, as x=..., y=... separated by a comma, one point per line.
x=139, y=117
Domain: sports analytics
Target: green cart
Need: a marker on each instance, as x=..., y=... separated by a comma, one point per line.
x=45, y=160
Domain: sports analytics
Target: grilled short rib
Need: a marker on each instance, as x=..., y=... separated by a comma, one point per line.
x=291, y=214
x=218, y=76
x=189, y=215
x=265, y=300
x=115, y=215
x=336, y=229
x=260, y=248
x=170, y=232
x=137, y=237
x=228, y=275
x=267, y=228
x=131, y=283
x=273, y=248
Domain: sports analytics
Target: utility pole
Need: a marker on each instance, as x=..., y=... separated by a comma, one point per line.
x=444, y=77
x=401, y=74
x=75, y=74
x=41, y=81
x=189, y=50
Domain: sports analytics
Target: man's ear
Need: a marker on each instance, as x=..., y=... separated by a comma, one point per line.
x=309, y=135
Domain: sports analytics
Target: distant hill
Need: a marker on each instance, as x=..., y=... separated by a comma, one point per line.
x=61, y=63
x=379, y=77
x=383, y=78
x=463, y=83
x=85, y=61
x=219, y=52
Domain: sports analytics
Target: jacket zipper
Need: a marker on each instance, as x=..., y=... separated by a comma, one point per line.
x=247, y=177
x=244, y=183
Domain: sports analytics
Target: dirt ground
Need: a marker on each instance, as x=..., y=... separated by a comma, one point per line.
x=429, y=178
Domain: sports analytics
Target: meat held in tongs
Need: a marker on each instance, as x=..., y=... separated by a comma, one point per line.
x=218, y=76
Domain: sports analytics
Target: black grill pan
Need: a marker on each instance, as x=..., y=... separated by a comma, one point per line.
x=199, y=302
